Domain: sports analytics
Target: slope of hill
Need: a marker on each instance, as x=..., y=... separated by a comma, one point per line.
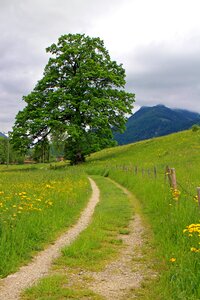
x=156, y=121
x=2, y=135
x=169, y=212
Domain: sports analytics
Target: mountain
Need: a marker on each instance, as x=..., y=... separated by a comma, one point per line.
x=159, y=120
x=2, y=135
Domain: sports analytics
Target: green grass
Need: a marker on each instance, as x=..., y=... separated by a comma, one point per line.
x=36, y=205
x=54, y=288
x=95, y=246
x=167, y=217
x=97, y=243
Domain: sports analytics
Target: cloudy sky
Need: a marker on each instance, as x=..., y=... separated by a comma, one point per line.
x=157, y=41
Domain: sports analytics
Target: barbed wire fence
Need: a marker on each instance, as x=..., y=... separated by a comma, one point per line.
x=169, y=176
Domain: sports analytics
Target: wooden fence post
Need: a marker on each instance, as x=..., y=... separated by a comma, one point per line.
x=155, y=172
x=136, y=170
x=173, y=178
x=168, y=174
x=198, y=195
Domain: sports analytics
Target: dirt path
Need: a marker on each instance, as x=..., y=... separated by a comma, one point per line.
x=11, y=286
x=121, y=277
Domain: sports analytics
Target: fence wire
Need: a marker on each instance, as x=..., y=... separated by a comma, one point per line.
x=153, y=171
x=185, y=190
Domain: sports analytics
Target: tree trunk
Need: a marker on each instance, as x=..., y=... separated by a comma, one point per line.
x=78, y=159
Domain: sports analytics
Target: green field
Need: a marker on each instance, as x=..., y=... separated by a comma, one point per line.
x=172, y=216
x=36, y=204
x=168, y=213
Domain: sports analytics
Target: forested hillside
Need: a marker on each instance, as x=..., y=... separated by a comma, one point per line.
x=156, y=121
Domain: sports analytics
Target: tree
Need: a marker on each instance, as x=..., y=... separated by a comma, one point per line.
x=3, y=150
x=41, y=151
x=81, y=94
x=7, y=153
x=57, y=146
x=195, y=127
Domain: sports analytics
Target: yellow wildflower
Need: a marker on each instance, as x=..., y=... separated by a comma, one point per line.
x=172, y=259
x=49, y=186
x=175, y=194
x=193, y=249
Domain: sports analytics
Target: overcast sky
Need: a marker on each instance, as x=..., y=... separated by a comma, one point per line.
x=157, y=41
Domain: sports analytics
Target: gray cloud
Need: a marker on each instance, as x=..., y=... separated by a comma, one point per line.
x=164, y=76
x=27, y=27
x=157, y=73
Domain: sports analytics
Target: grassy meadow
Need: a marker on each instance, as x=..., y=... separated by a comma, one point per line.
x=173, y=215
x=35, y=201
x=36, y=205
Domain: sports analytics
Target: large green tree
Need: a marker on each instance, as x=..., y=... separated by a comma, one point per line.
x=81, y=94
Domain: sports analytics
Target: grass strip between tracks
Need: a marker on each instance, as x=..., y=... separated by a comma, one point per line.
x=97, y=245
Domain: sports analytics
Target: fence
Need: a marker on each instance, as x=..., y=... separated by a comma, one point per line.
x=170, y=174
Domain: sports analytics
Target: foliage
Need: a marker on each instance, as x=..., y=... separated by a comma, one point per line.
x=8, y=154
x=81, y=94
x=57, y=145
x=3, y=150
x=41, y=151
x=195, y=127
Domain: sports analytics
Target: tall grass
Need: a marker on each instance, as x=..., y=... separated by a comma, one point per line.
x=178, y=264
x=178, y=254
x=35, y=206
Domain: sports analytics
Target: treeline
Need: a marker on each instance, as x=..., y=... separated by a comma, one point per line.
x=48, y=151
x=8, y=154
x=45, y=151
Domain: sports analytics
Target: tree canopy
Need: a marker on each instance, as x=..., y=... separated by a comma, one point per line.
x=81, y=94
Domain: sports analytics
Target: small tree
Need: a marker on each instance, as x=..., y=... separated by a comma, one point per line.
x=8, y=154
x=57, y=146
x=81, y=94
x=195, y=127
x=41, y=151
x=3, y=150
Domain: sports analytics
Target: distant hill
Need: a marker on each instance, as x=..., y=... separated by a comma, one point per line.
x=159, y=120
x=2, y=135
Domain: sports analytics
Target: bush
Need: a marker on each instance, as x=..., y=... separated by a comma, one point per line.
x=195, y=127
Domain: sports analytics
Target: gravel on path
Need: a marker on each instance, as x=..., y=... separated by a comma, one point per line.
x=122, y=277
